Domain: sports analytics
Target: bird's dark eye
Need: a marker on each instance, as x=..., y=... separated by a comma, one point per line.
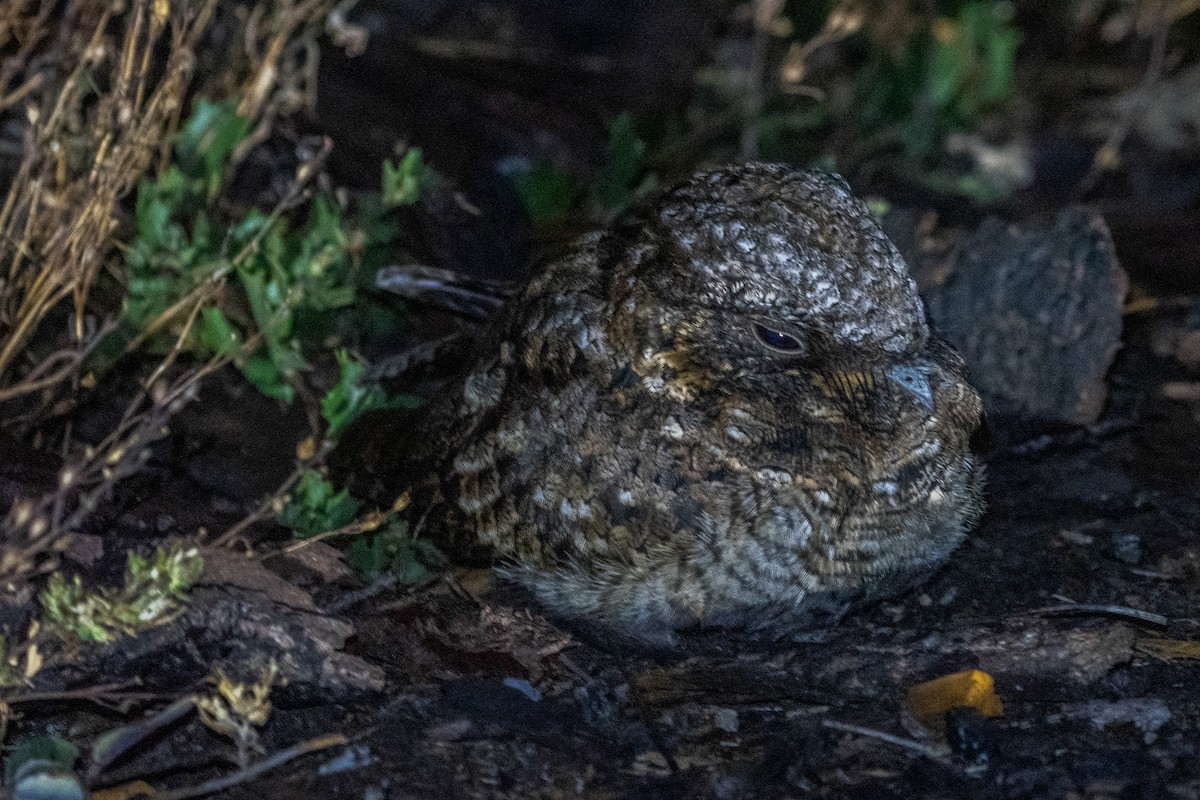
x=777, y=340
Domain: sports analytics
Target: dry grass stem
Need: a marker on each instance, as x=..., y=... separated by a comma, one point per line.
x=58, y=220
x=103, y=87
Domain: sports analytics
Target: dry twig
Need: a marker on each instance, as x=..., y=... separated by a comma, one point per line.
x=259, y=767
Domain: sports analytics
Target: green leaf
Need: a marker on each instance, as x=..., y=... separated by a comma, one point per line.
x=216, y=334
x=404, y=182
x=375, y=227
x=613, y=187
x=153, y=214
x=249, y=227
x=208, y=138
x=255, y=287
x=267, y=378
x=271, y=314
x=547, y=192
x=393, y=550
x=341, y=403
x=48, y=749
x=947, y=68
x=1001, y=59
x=315, y=506
x=349, y=398
x=368, y=556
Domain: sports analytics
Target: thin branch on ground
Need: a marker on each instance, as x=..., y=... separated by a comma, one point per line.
x=256, y=769
x=933, y=752
x=105, y=694
x=1105, y=610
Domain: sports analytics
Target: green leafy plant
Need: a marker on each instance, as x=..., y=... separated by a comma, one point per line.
x=175, y=246
x=381, y=543
x=404, y=182
x=897, y=81
x=943, y=79
x=42, y=767
x=292, y=274
x=351, y=396
x=154, y=592
x=396, y=551
x=551, y=194
x=316, y=506
x=617, y=183
x=292, y=286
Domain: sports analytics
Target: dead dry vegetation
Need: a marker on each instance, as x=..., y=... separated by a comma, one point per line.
x=94, y=95
x=130, y=275
x=102, y=88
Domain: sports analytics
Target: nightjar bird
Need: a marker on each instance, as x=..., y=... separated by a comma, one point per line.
x=726, y=409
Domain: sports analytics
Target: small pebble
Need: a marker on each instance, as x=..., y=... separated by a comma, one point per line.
x=726, y=719
x=1077, y=537
x=1127, y=547
x=524, y=687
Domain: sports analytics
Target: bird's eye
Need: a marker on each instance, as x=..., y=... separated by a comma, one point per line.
x=777, y=340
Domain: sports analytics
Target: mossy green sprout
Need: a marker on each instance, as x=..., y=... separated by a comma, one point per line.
x=404, y=181
x=155, y=592
x=10, y=671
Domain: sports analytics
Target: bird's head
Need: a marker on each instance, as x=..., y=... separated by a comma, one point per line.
x=773, y=285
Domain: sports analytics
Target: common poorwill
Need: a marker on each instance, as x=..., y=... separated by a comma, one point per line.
x=726, y=409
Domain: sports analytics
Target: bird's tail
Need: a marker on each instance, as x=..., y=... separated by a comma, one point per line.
x=464, y=295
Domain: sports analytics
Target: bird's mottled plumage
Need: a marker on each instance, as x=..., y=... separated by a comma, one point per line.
x=636, y=455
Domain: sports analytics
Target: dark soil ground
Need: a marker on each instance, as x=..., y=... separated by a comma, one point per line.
x=459, y=690
x=1079, y=594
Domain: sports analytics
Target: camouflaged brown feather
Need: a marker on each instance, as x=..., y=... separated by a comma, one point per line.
x=726, y=409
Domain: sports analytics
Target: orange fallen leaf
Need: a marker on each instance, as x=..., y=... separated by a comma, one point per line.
x=928, y=702
x=125, y=791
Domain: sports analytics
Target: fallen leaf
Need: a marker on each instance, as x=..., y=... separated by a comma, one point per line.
x=33, y=661
x=928, y=702
x=1170, y=649
x=125, y=791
